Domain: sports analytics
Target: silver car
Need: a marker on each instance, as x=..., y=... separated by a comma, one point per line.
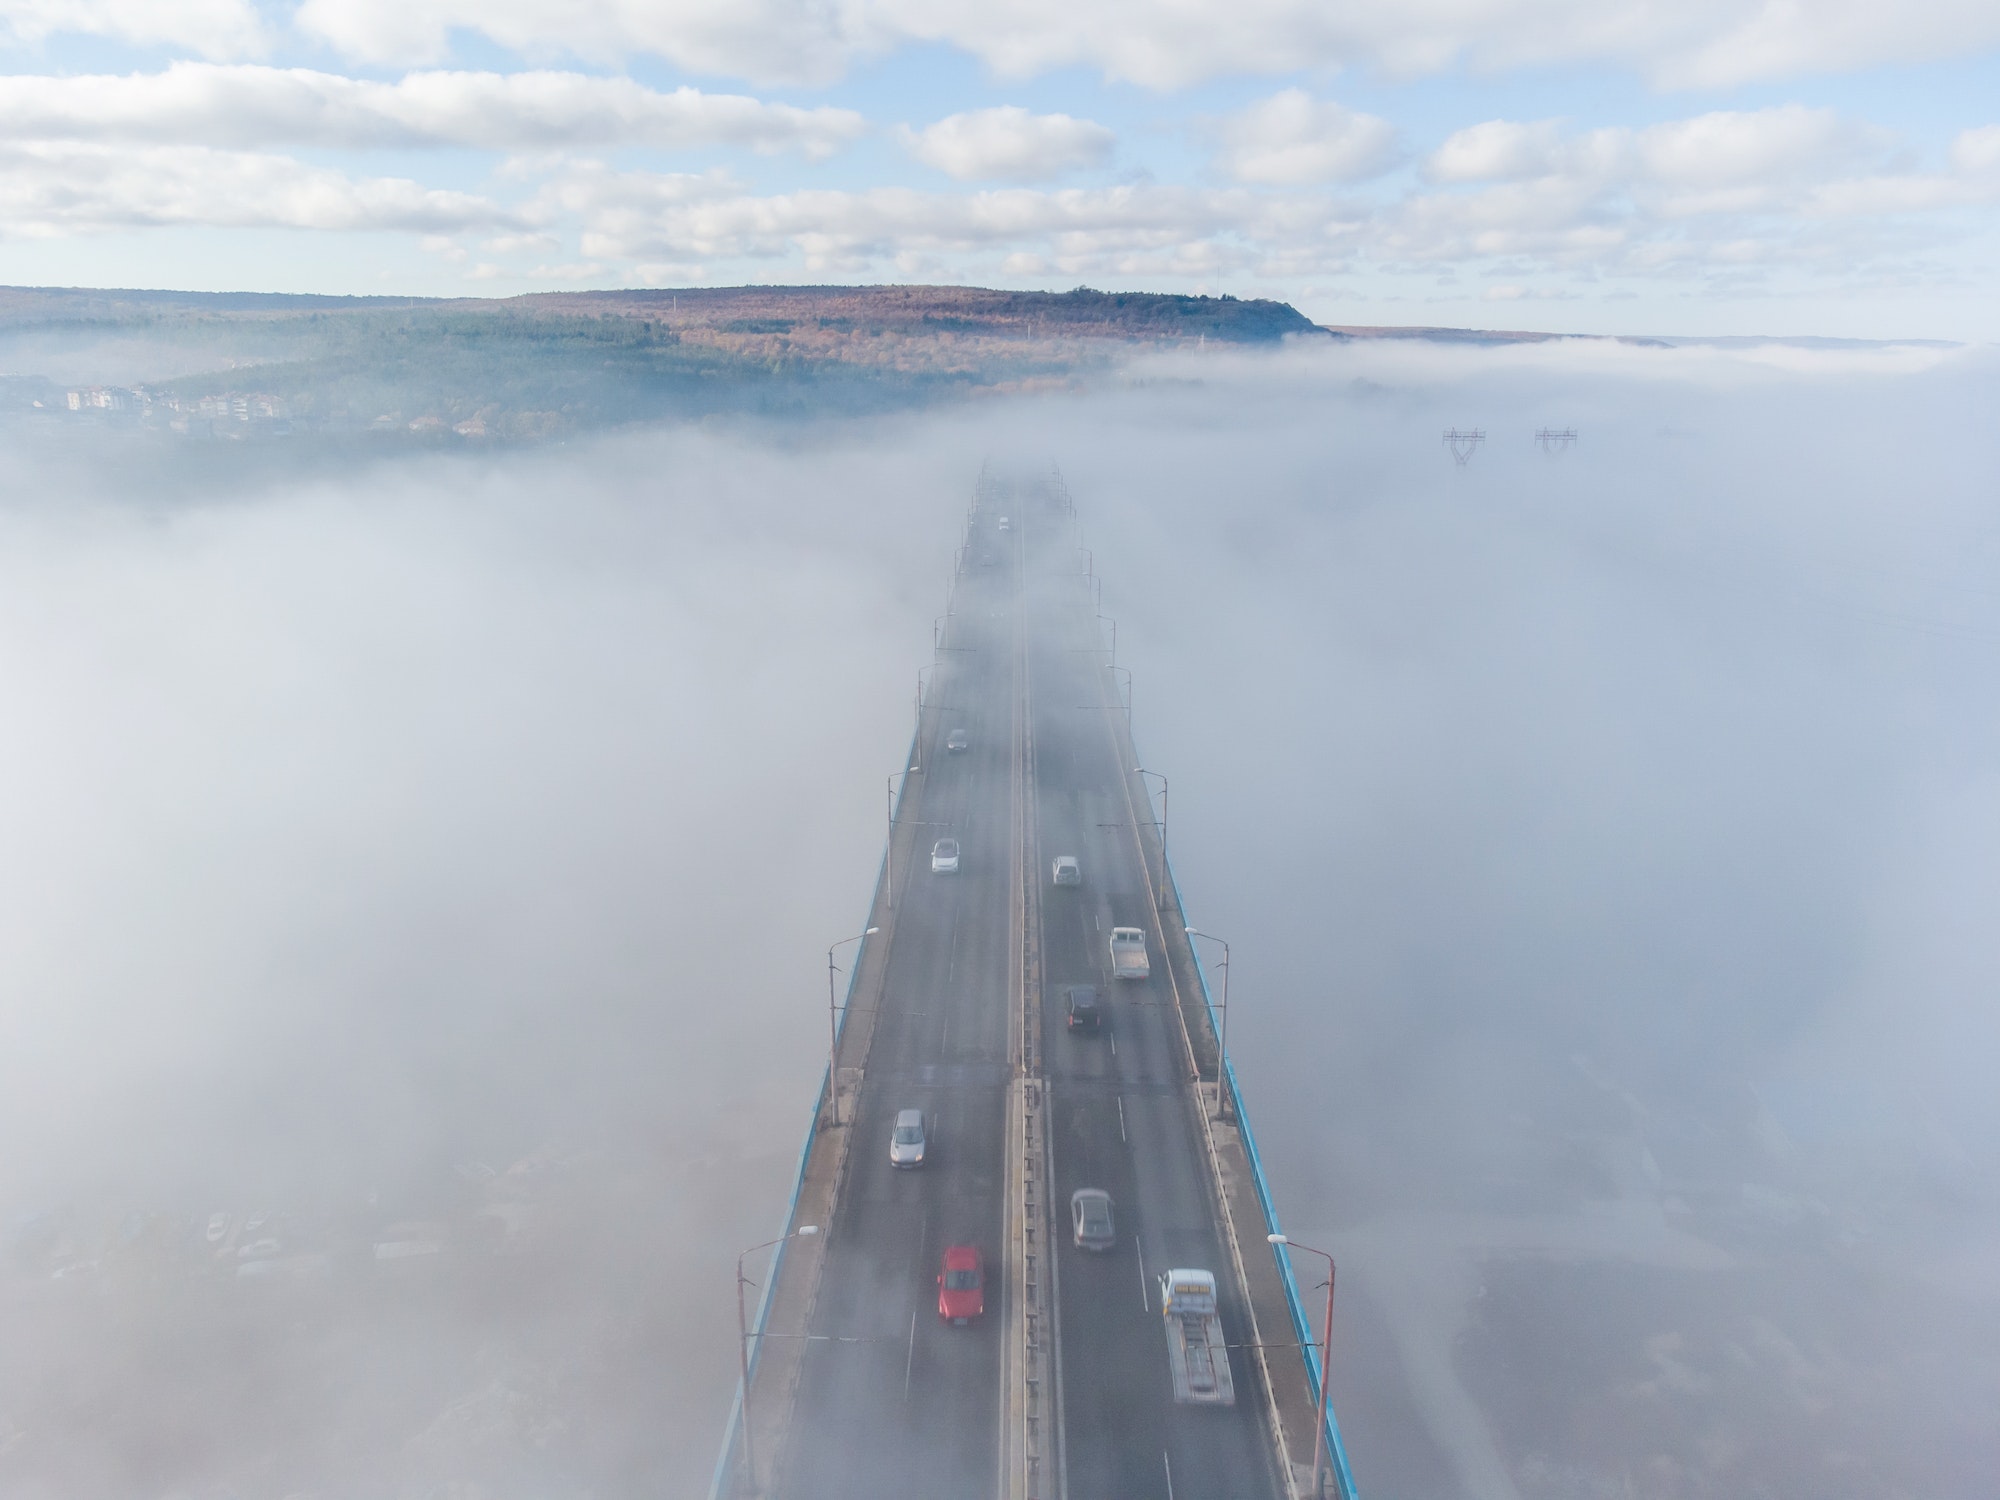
x=944, y=857
x=1090, y=1219
x=1066, y=871
x=906, y=1141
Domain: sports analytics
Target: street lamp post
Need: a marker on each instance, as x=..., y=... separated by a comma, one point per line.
x=1325, y=1352
x=1141, y=771
x=917, y=739
x=833, y=1026
x=1113, y=623
x=1222, y=1066
x=743, y=1347
x=889, y=885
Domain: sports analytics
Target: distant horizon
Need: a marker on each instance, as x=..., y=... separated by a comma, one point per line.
x=1495, y=332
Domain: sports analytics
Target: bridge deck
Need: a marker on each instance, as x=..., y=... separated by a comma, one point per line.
x=883, y=1400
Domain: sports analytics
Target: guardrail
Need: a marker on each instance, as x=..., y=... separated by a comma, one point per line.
x=1308, y=1336
x=726, y=1458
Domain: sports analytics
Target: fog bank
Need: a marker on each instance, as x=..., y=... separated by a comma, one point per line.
x=442, y=855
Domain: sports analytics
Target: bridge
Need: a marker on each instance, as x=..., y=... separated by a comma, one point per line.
x=955, y=1005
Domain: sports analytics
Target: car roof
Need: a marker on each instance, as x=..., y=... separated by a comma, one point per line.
x=1083, y=992
x=909, y=1117
x=1087, y=1195
x=961, y=1258
x=942, y=842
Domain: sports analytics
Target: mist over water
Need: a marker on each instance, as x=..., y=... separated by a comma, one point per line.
x=445, y=853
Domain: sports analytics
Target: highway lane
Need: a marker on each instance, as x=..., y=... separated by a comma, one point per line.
x=1122, y=1113
x=891, y=1402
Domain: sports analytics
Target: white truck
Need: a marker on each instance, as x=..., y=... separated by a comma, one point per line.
x=1195, y=1350
x=1128, y=953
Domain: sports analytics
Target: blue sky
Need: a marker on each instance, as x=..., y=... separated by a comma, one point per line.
x=1614, y=166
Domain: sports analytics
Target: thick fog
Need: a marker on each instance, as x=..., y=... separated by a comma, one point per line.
x=443, y=854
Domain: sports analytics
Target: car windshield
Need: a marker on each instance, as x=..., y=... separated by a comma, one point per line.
x=961, y=1281
x=909, y=1135
x=947, y=847
x=1096, y=1214
x=1083, y=1002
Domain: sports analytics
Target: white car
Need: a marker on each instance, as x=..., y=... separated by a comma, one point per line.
x=906, y=1141
x=944, y=857
x=1005, y=524
x=1066, y=871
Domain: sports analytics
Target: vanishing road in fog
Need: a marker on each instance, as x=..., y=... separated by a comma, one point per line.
x=961, y=1011
x=889, y=1400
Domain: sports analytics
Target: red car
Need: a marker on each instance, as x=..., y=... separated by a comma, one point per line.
x=961, y=1285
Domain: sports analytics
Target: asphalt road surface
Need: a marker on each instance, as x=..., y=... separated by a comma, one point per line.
x=891, y=1402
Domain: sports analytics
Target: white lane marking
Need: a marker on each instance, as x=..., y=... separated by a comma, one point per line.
x=1145, y=1293
x=1121, y=1122
x=910, y=1359
x=1170, y=1473
x=1114, y=1044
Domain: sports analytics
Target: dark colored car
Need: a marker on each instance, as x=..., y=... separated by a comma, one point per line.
x=956, y=741
x=1080, y=1001
x=961, y=1285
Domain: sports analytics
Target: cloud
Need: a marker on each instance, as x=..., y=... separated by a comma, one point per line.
x=211, y=28
x=1009, y=144
x=1496, y=151
x=49, y=190
x=1977, y=151
x=1293, y=138
x=1699, y=44
x=244, y=105
x=783, y=40
x=637, y=215
x=1728, y=193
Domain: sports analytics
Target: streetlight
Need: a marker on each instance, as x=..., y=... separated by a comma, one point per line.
x=1222, y=1068
x=743, y=1345
x=1113, y=623
x=1141, y=771
x=1325, y=1350
x=833, y=1028
x=889, y=885
x=917, y=739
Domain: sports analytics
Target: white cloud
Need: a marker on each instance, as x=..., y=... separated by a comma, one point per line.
x=1977, y=150
x=212, y=28
x=245, y=105
x=1292, y=137
x=1734, y=195
x=680, y=218
x=790, y=40
x=1496, y=151
x=51, y=190
x=1677, y=43
x=1009, y=144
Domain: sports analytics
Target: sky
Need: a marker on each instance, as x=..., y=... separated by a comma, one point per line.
x=1603, y=838
x=1826, y=168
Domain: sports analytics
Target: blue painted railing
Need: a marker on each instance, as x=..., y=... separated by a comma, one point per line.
x=1308, y=1336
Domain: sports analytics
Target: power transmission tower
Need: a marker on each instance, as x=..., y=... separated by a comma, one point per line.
x=1554, y=440
x=1463, y=444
